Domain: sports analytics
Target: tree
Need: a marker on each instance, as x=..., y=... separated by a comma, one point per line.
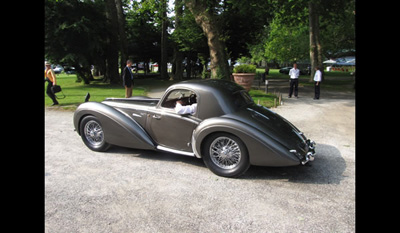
x=177, y=68
x=315, y=43
x=76, y=40
x=203, y=12
x=122, y=34
x=330, y=26
x=82, y=33
x=285, y=42
x=164, y=34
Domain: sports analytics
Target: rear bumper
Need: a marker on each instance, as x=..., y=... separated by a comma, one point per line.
x=309, y=154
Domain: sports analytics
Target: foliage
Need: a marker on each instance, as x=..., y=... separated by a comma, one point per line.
x=244, y=68
x=143, y=30
x=285, y=42
x=189, y=35
x=81, y=33
x=79, y=39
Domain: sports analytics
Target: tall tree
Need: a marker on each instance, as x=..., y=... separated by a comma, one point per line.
x=164, y=34
x=178, y=55
x=76, y=39
x=112, y=74
x=122, y=35
x=315, y=43
x=205, y=17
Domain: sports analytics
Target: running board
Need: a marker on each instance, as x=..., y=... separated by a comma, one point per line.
x=175, y=151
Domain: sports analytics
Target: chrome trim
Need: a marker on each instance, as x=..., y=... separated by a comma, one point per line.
x=175, y=151
x=136, y=115
x=196, y=153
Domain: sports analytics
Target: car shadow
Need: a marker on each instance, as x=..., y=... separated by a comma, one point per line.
x=327, y=168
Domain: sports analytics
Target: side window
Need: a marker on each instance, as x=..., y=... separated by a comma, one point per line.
x=188, y=97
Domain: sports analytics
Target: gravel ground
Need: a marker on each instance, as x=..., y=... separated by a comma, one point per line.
x=126, y=190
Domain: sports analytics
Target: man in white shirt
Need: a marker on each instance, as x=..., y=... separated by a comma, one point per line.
x=187, y=109
x=317, y=82
x=294, y=80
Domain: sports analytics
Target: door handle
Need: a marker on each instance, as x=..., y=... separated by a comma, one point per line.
x=158, y=117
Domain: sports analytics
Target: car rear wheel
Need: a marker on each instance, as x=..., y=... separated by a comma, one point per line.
x=92, y=134
x=226, y=155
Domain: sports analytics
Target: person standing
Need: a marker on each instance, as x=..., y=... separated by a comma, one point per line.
x=50, y=77
x=317, y=82
x=127, y=79
x=294, y=81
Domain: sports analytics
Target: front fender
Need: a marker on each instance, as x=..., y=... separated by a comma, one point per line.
x=118, y=128
x=263, y=150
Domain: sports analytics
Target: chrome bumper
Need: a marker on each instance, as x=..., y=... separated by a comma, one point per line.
x=310, y=152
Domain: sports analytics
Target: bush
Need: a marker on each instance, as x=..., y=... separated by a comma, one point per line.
x=244, y=68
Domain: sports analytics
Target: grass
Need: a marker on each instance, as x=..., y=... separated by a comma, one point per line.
x=260, y=97
x=75, y=92
x=333, y=81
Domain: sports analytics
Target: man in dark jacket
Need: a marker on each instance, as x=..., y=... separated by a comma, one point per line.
x=127, y=79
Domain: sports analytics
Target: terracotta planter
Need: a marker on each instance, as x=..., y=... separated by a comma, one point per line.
x=244, y=79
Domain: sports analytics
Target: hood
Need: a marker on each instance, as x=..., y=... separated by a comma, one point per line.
x=272, y=124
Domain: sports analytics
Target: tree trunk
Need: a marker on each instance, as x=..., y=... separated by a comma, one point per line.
x=313, y=45
x=219, y=63
x=178, y=55
x=164, y=55
x=112, y=73
x=122, y=34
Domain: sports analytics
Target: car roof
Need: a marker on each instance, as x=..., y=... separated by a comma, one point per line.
x=216, y=84
x=215, y=93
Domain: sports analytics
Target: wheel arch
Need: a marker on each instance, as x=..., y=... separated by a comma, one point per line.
x=262, y=149
x=203, y=141
x=119, y=129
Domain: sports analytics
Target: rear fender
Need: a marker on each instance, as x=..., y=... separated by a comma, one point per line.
x=263, y=150
x=118, y=128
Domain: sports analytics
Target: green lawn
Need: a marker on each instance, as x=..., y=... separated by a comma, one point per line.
x=260, y=97
x=333, y=81
x=75, y=92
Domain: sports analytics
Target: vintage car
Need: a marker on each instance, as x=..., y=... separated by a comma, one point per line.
x=227, y=130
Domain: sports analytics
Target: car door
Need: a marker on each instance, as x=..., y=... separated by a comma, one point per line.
x=169, y=129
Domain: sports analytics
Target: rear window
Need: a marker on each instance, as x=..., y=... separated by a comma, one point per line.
x=241, y=99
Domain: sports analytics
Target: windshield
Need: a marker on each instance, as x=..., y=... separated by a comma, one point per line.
x=241, y=99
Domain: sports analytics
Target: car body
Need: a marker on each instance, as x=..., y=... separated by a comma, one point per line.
x=228, y=130
x=58, y=69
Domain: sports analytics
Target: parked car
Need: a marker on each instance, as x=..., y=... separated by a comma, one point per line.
x=228, y=130
x=70, y=70
x=58, y=69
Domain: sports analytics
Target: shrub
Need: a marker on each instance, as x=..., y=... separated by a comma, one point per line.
x=244, y=68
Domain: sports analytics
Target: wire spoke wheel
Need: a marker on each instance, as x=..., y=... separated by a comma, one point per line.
x=225, y=153
x=94, y=133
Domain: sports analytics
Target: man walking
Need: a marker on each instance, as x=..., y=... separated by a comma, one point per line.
x=294, y=81
x=127, y=79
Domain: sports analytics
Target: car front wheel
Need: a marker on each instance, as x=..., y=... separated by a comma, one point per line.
x=92, y=134
x=226, y=155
